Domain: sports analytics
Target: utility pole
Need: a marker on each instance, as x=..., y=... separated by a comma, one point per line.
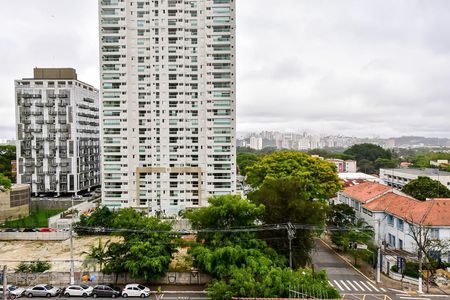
x=420, y=272
x=72, y=267
x=291, y=235
x=5, y=291
x=379, y=265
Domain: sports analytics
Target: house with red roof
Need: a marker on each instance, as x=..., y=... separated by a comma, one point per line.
x=394, y=215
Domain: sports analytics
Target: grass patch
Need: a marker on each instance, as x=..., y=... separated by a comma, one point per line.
x=37, y=218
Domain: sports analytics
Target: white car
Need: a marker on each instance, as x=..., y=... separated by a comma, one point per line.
x=135, y=290
x=42, y=290
x=12, y=290
x=78, y=291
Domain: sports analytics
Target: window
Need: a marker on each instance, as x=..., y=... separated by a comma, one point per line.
x=390, y=220
x=434, y=233
x=400, y=224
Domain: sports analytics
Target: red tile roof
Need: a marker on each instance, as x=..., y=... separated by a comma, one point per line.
x=366, y=191
x=439, y=213
x=435, y=212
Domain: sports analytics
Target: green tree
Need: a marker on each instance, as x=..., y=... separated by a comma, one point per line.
x=319, y=176
x=244, y=160
x=370, y=152
x=147, y=246
x=366, y=156
x=341, y=215
x=224, y=212
x=241, y=264
x=423, y=188
x=289, y=199
x=97, y=255
x=5, y=182
x=7, y=155
x=293, y=187
x=385, y=163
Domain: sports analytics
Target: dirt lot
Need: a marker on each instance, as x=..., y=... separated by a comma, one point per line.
x=12, y=252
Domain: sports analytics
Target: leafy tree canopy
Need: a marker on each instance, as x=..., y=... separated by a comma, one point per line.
x=244, y=160
x=425, y=187
x=318, y=176
x=7, y=154
x=341, y=215
x=147, y=246
x=241, y=264
x=5, y=182
x=370, y=152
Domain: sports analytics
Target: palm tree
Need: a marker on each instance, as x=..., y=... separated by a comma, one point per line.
x=97, y=255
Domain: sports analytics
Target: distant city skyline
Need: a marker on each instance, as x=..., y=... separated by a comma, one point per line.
x=322, y=66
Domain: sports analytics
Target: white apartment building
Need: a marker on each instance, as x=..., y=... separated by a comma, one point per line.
x=395, y=215
x=256, y=143
x=400, y=177
x=57, y=127
x=168, y=112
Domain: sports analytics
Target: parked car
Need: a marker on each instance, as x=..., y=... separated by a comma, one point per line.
x=42, y=290
x=47, y=230
x=11, y=230
x=77, y=197
x=30, y=230
x=105, y=291
x=135, y=290
x=78, y=291
x=13, y=291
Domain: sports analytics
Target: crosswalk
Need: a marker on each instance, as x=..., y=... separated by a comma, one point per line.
x=356, y=286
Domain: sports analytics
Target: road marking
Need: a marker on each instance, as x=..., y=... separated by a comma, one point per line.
x=414, y=298
x=354, y=287
x=360, y=287
x=344, y=284
x=383, y=289
x=337, y=284
x=368, y=283
x=363, y=284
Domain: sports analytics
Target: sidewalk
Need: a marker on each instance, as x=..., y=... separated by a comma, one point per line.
x=178, y=288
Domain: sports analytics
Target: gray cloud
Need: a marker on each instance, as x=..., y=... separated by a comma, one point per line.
x=375, y=67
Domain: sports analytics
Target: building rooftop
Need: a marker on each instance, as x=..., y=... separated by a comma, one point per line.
x=55, y=73
x=366, y=191
x=419, y=172
x=434, y=212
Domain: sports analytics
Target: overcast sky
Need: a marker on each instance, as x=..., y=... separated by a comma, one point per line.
x=363, y=68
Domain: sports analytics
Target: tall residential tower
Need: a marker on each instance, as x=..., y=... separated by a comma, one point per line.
x=58, y=138
x=168, y=102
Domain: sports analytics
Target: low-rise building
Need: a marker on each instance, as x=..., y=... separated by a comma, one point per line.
x=344, y=166
x=15, y=203
x=400, y=177
x=395, y=216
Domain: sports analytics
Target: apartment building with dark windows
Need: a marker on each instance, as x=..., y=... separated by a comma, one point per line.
x=58, y=134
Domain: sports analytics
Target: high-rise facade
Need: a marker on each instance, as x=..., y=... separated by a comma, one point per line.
x=57, y=127
x=168, y=102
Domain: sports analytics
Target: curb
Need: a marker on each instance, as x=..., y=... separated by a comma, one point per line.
x=180, y=292
x=341, y=257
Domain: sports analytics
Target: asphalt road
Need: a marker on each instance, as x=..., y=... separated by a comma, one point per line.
x=351, y=284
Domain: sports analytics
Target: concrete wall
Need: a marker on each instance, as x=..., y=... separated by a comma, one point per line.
x=34, y=236
x=61, y=279
x=55, y=203
x=14, y=213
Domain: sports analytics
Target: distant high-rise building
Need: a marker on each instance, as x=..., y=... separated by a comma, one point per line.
x=256, y=143
x=57, y=126
x=168, y=102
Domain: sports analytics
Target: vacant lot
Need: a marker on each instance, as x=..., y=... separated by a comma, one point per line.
x=55, y=252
